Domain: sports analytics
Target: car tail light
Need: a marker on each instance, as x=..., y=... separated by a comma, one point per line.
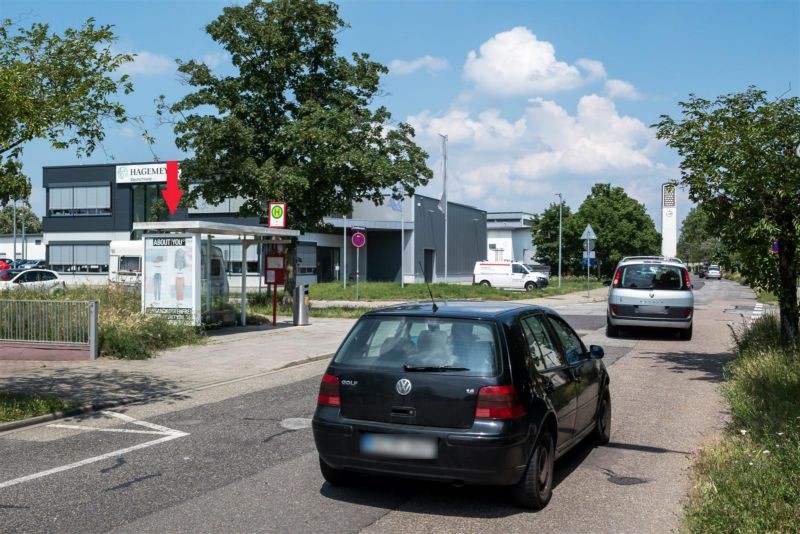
x=687, y=313
x=329, y=391
x=498, y=402
x=614, y=310
x=686, y=281
x=617, y=277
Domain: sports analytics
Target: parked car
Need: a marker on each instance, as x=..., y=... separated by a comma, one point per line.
x=5, y=264
x=507, y=275
x=30, y=279
x=714, y=271
x=650, y=291
x=31, y=264
x=483, y=393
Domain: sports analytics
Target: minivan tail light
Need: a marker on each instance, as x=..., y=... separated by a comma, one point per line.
x=498, y=402
x=617, y=277
x=329, y=391
x=614, y=310
x=686, y=280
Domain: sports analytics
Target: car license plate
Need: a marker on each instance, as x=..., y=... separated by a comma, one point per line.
x=652, y=309
x=413, y=447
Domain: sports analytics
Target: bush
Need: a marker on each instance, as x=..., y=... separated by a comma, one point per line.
x=750, y=482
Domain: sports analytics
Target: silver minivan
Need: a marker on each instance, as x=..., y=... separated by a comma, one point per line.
x=650, y=291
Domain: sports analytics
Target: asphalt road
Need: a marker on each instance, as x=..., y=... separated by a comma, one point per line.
x=241, y=458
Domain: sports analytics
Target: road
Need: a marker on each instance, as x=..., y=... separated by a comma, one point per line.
x=240, y=457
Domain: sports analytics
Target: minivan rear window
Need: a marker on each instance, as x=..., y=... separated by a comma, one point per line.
x=391, y=342
x=652, y=276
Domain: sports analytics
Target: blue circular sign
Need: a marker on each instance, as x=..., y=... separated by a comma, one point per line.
x=358, y=240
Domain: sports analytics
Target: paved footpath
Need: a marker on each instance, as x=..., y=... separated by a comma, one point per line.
x=229, y=355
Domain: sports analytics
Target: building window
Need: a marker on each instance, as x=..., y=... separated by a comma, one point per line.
x=229, y=205
x=72, y=201
x=232, y=252
x=78, y=258
x=307, y=258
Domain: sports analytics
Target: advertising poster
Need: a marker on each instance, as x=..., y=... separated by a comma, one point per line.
x=170, y=285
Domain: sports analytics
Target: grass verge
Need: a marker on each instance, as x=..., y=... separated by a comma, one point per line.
x=750, y=481
x=124, y=332
x=16, y=406
x=393, y=291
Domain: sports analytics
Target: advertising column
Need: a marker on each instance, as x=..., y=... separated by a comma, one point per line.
x=171, y=277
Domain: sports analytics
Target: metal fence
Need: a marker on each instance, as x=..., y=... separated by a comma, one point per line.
x=50, y=321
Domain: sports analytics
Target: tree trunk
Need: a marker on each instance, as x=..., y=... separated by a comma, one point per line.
x=787, y=295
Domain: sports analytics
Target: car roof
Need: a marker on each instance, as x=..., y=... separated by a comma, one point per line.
x=655, y=260
x=467, y=309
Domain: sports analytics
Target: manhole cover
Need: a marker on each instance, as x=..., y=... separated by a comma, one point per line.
x=296, y=423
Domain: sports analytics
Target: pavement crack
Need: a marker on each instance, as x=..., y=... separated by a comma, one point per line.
x=119, y=463
x=132, y=482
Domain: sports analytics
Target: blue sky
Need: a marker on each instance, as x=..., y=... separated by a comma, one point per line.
x=536, y=97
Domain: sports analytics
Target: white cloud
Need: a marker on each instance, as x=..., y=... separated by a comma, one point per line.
x=427, y=62
x=517, y=62
x=621, y=90
x=496, y=163
x=148, y=63
x=215, y=59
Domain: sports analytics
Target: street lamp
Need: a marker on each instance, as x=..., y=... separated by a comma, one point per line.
x=560, y=205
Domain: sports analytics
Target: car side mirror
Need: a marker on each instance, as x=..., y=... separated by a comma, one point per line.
x=606, y=283
x=596, y=351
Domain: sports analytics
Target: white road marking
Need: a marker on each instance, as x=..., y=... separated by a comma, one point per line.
x=758, y=311
x=119, y=430
x=168, y=434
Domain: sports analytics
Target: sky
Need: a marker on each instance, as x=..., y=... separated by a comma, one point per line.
x=536, y=97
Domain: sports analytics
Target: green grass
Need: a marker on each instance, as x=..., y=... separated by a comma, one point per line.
x=393, y=291
x=124, y=332
x=765, y=297
x=16, y=406
x=750, y=481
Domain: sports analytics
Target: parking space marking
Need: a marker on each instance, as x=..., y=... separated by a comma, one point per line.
x=168, y=434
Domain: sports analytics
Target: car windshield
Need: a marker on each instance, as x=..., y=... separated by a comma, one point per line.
x=464, y=346
x=652, y=276
x=713, y=268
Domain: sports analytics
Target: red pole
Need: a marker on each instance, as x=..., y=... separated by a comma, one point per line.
x=275, y=304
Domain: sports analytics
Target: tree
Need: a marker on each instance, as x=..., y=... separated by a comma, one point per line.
x=32, y=223
x=545, y=235
x=621, y=223
x=698, y=240
x=58, y=88
x=297, y=122
x=739, y=164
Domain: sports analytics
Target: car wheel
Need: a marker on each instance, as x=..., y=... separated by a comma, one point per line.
x=602, y=427
x=486, y=283
x=611, y=330
x=530, y=286
x=335, y=477
x=536, y=486
x=686, y=335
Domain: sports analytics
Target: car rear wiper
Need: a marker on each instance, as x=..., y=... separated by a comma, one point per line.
x=432, y=368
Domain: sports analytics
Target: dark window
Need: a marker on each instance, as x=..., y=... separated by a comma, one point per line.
x=76, y=201
x=518, y=269
x=131, y=264
x=46, y=277
x=652, y=276
x=573, y=347
x=540, y=346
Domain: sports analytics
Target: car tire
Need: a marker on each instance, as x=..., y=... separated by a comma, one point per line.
x=535, y=488
x=485, y=283
x=530, y=286
x=602, y=423
x=336, y=477
x=686, y=335
x=611, y=330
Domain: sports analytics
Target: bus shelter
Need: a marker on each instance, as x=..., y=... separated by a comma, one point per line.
x=173, y=252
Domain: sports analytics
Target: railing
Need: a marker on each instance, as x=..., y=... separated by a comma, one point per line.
x=50, y=321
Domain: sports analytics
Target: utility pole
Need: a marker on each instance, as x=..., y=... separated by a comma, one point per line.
x=14, y=254
x=344, y=251
x=444, y=197
x=560, y=205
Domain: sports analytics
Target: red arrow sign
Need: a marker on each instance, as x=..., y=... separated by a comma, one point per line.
x=173, y=193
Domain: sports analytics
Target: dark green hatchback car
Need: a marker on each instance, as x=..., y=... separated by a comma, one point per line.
x=483, y=393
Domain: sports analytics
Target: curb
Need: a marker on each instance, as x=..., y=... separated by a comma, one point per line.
x=96, y=407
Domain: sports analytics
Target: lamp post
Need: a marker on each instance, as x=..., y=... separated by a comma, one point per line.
x=560, y=205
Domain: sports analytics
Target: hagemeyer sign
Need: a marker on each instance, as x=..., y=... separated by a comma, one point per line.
x=142, y=174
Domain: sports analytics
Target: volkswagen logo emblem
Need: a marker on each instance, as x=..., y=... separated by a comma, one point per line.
x=403, y=386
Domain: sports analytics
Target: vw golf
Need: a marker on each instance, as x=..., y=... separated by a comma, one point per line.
x=464, y=393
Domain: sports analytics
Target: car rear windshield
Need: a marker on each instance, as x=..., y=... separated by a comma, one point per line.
x=391, y=342
x=652, y=276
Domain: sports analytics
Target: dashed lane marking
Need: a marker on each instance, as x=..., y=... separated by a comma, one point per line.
x=168, y=434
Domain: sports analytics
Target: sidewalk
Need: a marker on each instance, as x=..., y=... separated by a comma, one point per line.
x=229, y=354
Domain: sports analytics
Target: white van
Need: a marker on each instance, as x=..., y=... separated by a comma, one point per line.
x=507, y=275
x=125, y=267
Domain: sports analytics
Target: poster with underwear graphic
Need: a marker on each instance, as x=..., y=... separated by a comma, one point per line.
x=170, y=280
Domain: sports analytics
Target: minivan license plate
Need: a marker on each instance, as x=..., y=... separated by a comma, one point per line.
x=652, y=309
x=413, y=447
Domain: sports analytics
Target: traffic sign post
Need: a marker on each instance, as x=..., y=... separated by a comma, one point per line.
x=358, y=240
x=277, y=214
x=589, y=238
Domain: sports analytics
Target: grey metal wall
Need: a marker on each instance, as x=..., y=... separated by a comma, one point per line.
x=466, y=240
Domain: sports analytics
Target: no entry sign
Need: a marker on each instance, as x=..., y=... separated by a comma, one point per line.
x=358, y=240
